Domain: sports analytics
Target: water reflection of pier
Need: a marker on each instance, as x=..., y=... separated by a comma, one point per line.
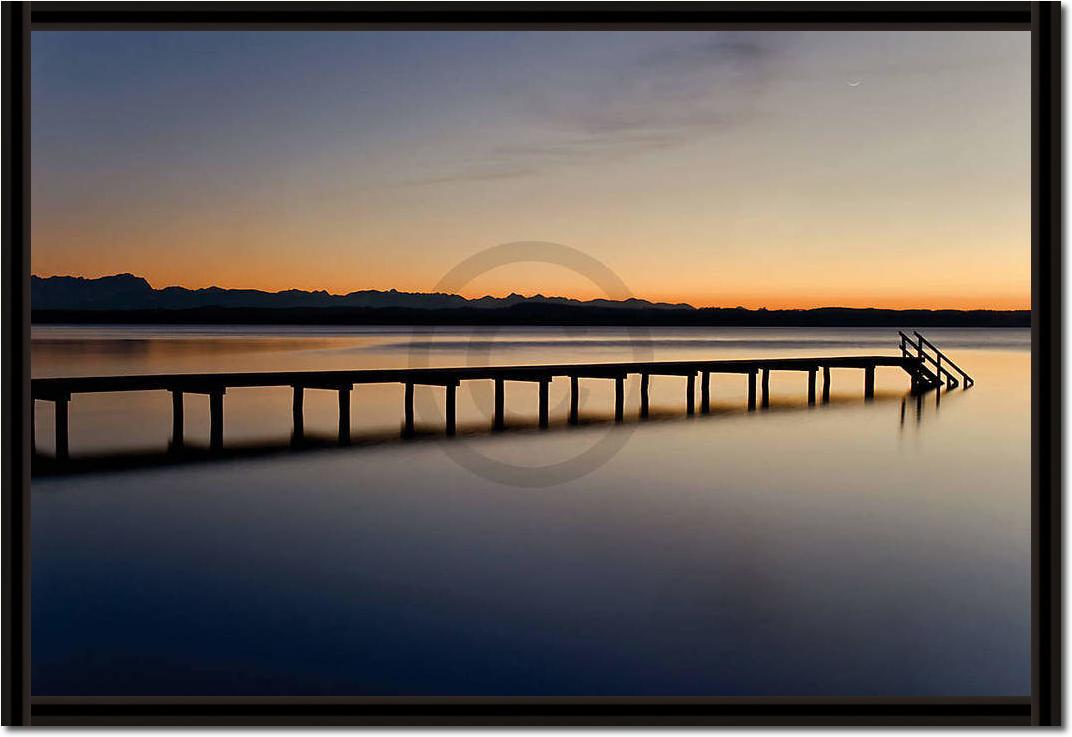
x=917, y=403
x=370, y=439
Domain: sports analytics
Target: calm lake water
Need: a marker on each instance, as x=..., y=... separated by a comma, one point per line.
x=850, y=548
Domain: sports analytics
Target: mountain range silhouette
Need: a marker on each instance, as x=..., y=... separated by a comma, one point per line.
x=126, y=298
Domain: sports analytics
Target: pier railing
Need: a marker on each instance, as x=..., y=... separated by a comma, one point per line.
x=943, y=364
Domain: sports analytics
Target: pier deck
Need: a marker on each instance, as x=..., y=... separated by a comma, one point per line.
x=913, y=362
x=205, y=383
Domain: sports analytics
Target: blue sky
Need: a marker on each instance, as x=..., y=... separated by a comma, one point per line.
x=713, y=167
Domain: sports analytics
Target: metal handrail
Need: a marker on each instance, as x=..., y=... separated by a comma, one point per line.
x=947, y=359
x=923, y=356
x=918, y=353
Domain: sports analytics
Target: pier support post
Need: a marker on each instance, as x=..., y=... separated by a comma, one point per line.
x=62, y=403
x=298, y=410
x=408, y=428
x=215, y=411
x=826, y=384
x=644, y=379
x=451, y=411
x=574, y=400
x=869, y=382
x=177, y=433
x=500, y=402
x=751, y=390
x=344, y=415
x=690, y=395
x=543, y=402
x=766, y=387
x=705, y=392
x=619, y=398
x=811, y=387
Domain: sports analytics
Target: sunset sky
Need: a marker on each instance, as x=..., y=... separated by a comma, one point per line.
x=775, y=168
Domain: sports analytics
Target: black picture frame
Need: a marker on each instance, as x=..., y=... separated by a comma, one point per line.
x=1043, y=708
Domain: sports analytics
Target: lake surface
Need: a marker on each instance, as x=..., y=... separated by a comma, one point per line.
x=852, y=548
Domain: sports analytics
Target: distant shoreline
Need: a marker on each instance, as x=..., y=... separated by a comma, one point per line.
x=536, y=314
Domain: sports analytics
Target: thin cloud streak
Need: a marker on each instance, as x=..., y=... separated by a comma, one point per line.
x=663, y=99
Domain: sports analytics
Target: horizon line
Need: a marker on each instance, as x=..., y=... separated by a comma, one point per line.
x=538, y=295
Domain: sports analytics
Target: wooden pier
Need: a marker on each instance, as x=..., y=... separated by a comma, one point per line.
x=924, y=370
